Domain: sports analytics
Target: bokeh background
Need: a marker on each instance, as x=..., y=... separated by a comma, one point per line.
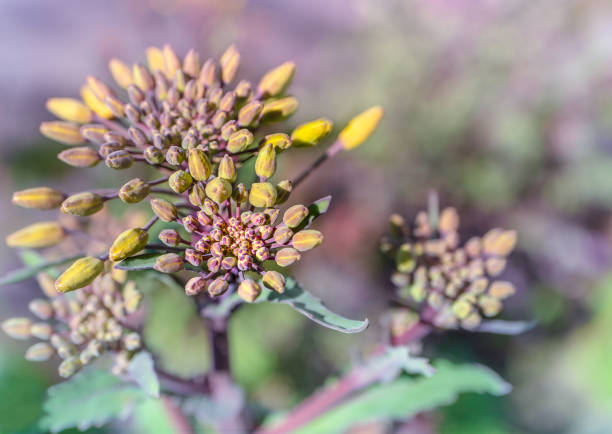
x=503, y=107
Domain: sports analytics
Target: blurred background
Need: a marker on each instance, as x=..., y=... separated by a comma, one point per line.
x=503, y=107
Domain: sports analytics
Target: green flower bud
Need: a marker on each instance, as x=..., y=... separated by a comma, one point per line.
x=118, y=160
x=199, y=165
x=219, y=190
x=295, y=215
x=164, y=210
x=405, y=259
x=195, y=286
x=128, y=243
x=69, y=367
x=169, y=263
x=227, y=169
x=81, y=273
x=153, y=155
x=280, y=141
x=42, y=198
x=217, y=287
x=39, y=352
x=240, y=193
x=134, y=191
x=265, y=165
x=197, y=195
x=249, y=290
x=63, y=132
x=82, y=204
x=275, y=281
x=180, y=181
x=239, y=141
x=311, y=133
x=41, y=308
x=82, y=156
x=17, y=328
x=360, y=128
x=283, y=190
x=306, y=240
x=175, y=156
x=37, y=235
x=263, y=194
x=276, y=80
x=248, y=114
x=279, y=109
x=287, y=256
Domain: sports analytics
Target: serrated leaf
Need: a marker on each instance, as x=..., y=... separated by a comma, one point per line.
x=315, y=209
x=300, y=300
x=405, y=397
x=502, y=327
x=33, y=268
x=142, y=372
x=155, y=416
x=91, y=398
x=146, y=261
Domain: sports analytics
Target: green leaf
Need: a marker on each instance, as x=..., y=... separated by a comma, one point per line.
x=155, y=416
x=146, y=261
x=33, y=268
x=142, y=372
x=91, y=398
x=300, y=300
x=317, y=208
x=405, y=397
x=502, y=327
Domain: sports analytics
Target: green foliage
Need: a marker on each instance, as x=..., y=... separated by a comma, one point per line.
x=34, y=265
x=142, y=371
x=317, y=208
x=151, y=416
x=405, y=397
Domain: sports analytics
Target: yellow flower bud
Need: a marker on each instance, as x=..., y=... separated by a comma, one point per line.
x=295, y=215
x=280, y=141
x=462, y=308
x=134, y=191
x=306, y=240
x=265, y=165
x=249, y=290
x=499, y=242
x=311, y=133
x=118, y=160
x=287, y=256
x=95, y=133
x=128, y=243
x=131, y=297
x=81, y=273
x=501, y=289
x=279, y=109
x=262, y=194
x=219, y=190
x=217, y=287
x=42, y=198
x=41, y=308
x=199, y=165
x=39, y=352
x=155, y=59
x=229, y=61
x=276, y=80
x=41, y=330
x=164, y=210
x=239, y=141
x=360, y=128
x=180, y=181
x=121, y=73
x=60, y=131
x=191, y=63
x=490, y=306
x=82, y=204
x=472, y=321
x=275, y=281
x=227, y=169
x=169, y=263
x=197, y=195
x=37, y=235
x=282, y=234
x=405, y=259
x=142, y=77
x=249, y=113
x=195, y=286
x=82, y=156
x=172, y=63
x=95, y=103
x=69, y=367
x=17, y=328
x=70, y=110
x=208, y=73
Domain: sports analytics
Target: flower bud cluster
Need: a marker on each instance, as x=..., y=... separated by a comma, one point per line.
x=450, y=284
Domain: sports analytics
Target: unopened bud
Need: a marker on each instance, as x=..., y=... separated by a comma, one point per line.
x=307, y=239
x=199, y=165
x=82, y=156
x=275, y=281
x=265, y=165
x=217, y=287
x=69, y=109
x=170, y=237
x=499, y=242
x=164, y=210
x=405, y=259
x=280, y=141
x=81, y=273
x=175, y=156
x=227, y=169
x=121, y=73
x=219, y=190
x=472, y=321
x=60, y=131
x=240, y=193
x=36, y=235
x=490, y=306
x=39, y=352
x=17, y=328
x=69, y=367
x=131, y=297
x=41, y=330
x=118, y=160
x=279, y=109
x=262, y=194
x=142, y=77
x=287, y=256
x=249, y=290
x=311, y=133
x=282, y=234
x=132, y=341
x=128, y=243
x=195, y=286
x=249, y=113
x=239, y=141
x=134, y=191
x=172, y=63
x=276, y=80
x=95, y=133
x=360, y=128
x=283, y=191
x=95, y=102
x=180, y=181
x=295, y=215
x=169, y=263
x=230, y=60
x=82, y=204
x=501, y=289
x=153, y=155
x=41, y=308
x=42, y=198
x=208, y=73
x=194, y=257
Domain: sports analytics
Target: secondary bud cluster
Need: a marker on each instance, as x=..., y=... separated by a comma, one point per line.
x=80, y=328
x=450, y=284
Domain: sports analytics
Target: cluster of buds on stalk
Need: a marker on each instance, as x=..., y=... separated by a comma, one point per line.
x=80, y=327
x=185, y=119
x=446, y=284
